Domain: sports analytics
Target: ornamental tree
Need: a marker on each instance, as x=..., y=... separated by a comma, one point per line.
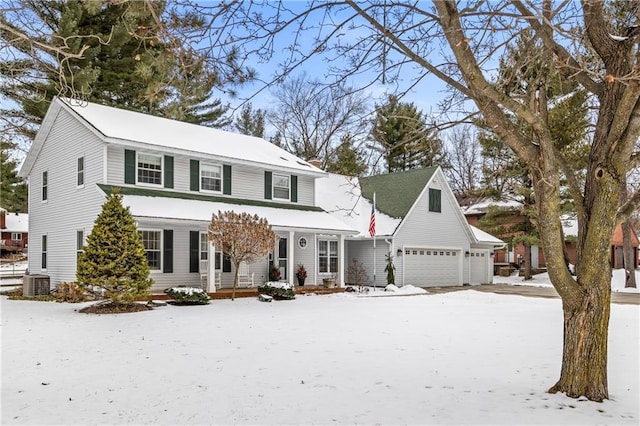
x=114, y=258
x=242, y=237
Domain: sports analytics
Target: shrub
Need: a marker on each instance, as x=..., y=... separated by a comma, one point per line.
x=183, y=295
x=70, y=292
x=278, y=290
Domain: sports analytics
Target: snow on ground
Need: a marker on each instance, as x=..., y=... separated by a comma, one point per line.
x=542, y=280
x=465, y=357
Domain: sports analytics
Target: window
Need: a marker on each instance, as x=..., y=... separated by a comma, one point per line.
x=80, y=181
x=435, y=200
x=45, y=183
x=150, y=169
x=204, y=243
x=281, y=187
x=16, y=236
x=152, y=241
x=79, y=242
x=44, y=252
x=210, y=178
x=302, y=242
x=327, y=256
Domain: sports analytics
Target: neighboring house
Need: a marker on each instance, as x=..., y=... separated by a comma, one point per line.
x=173, y=177
x=14, y=231
x=475, y=210
x=570, y=228
x=417, y=221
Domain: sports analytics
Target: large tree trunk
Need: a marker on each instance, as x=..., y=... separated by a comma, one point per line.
x=527, y=261
x=584, y=352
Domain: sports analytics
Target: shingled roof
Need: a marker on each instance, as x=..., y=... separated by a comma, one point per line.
x=396, y=192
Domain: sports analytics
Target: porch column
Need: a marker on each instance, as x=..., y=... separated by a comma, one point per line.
x=211, y=268
x=291, y=264
x=341, y=257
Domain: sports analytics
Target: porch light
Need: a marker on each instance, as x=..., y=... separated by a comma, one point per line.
x=399, y=253
x=466, y=254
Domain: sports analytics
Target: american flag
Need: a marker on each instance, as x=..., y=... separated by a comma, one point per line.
x=372, y=221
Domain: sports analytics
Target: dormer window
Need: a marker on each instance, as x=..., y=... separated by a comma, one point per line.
x=210, y=178
x=149, y=169
x=280, y=187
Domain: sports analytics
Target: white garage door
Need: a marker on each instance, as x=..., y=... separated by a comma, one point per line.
x=424, y=267
x=479, y=263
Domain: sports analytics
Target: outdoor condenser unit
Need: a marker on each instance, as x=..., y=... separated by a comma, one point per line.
x=35, y=285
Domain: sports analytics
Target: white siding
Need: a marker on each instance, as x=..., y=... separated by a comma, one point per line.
x=363, y=252
x=69, y=208
x=246, y=182
x=441, y=230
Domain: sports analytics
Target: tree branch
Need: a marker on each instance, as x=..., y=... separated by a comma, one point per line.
x=627, y=209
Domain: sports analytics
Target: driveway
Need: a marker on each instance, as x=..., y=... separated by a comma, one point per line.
x=529, y=291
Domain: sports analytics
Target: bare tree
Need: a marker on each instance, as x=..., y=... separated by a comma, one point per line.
x=312, y=121
x=464, y=160
x=594, y=43
x=242, y=237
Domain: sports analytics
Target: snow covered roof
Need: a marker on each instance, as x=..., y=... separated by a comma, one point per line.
x=569, y=225
x=342, y=197
x=482, y=206
x=485, y=237
x=129, y=128
x=196, y=207
x=16, y=222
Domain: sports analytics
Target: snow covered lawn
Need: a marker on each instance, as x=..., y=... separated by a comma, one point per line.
x=461, y=357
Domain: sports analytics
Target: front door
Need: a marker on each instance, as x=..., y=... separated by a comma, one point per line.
x=282, y=258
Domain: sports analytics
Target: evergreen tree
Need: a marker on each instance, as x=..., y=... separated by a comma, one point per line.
x=13, y=190
x=401, y=133
x=123, y=61
x=347, y=159
x=250, y=122
x=114, y=257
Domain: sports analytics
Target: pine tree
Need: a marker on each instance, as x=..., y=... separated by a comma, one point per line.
x=401, y=133
x=114, y=257
x=13, y=190
x=347, y=160
x=250, y=122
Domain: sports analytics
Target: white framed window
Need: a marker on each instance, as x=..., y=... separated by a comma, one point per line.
x=152, y=241
x=80, y=174
x=302, y=242
x=79, y=242
x=43, y=251
x=16, y=236
x=45, y=185
x=149, y=169
x=210, y=178
x=281, y=188
x=327, y=256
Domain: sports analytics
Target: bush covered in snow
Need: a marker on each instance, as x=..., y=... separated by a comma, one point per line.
x=188, y=295
x=277, y=290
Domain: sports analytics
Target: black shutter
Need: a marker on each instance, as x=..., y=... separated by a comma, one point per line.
x=226, y=179
x=194, y=175
x=167, y=255
x=168, y=171
x=129, y=166
x=435, y=200
x=194, y=251
x=294, y=188
x=267, y=185
x=226, y=263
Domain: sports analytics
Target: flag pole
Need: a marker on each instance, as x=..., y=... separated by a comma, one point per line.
x=373, y=212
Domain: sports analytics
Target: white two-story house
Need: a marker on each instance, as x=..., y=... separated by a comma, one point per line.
x=173, y=177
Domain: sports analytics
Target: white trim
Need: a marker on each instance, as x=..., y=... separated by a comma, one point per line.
x=273, y=187
x=161, y=247
x=200, y=169
x=152, y=185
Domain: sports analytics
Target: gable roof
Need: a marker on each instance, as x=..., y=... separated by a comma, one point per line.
x=16, y=222
x=396, y=192
x=130, y=128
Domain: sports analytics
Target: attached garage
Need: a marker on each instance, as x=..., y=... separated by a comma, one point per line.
x=479, y=263
x=432, y=267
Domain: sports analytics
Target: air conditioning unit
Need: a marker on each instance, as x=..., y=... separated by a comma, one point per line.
x=35, y=285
